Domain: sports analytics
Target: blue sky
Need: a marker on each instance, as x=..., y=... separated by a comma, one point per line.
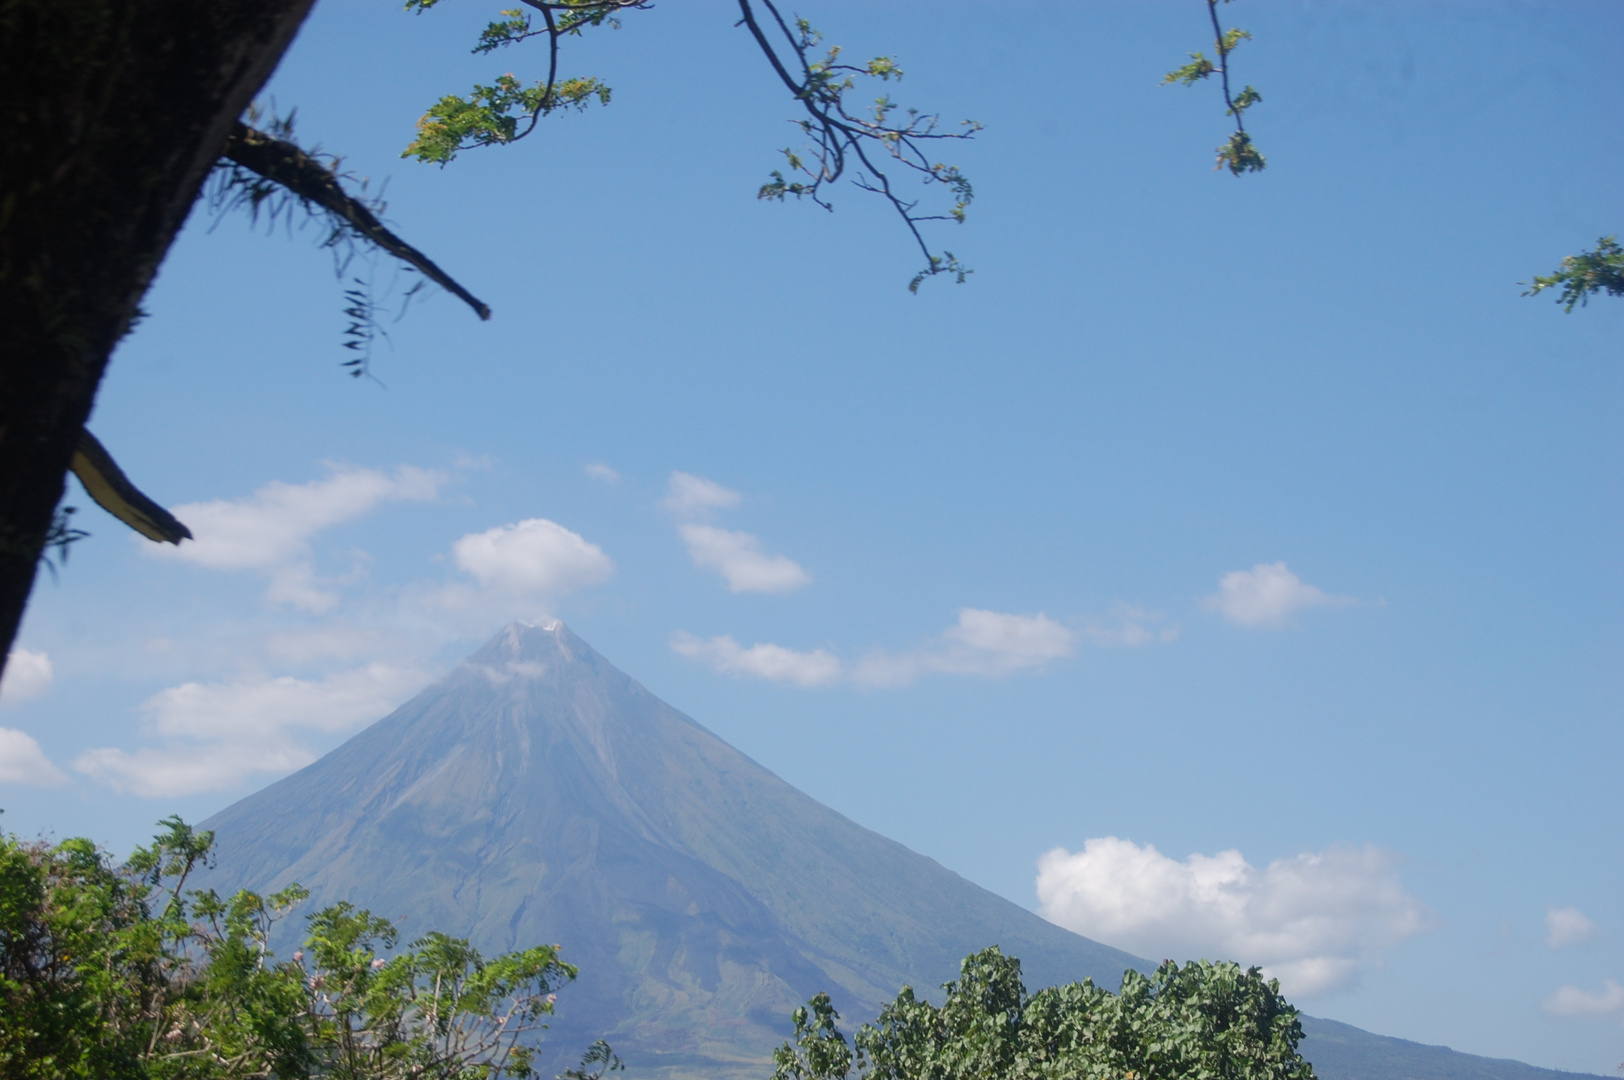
x=1245, y=551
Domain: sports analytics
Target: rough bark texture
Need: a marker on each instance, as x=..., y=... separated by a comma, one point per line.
x=116, y=110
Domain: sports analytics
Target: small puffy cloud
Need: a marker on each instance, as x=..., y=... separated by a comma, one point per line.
x=816, y=668
x=689, y=495
x=532, y=557
x=1567, y=926
x=28, y=675
x=1312, y=921
x=23, y=762
x=1572, y=1001
x=597, y=470
x=219, y=734
x=986, y=643
x=1267, y=595
x=270, y=531
x=738, y=557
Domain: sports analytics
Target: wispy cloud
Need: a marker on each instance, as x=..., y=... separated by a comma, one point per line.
x=985, y=643
x=597, y=470
x=23, y=762
x=1312, y=921
x=1131, y=627
x=270, y=530
x=737, y=556
x=688, y=494
x=28, y=675
x=1572, y=1001
x=1267, y=595
x=1566, y=927
x=773, y=662
x=216, y=735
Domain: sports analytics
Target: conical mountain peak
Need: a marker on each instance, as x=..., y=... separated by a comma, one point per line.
x=526, y=650
x=539, y=794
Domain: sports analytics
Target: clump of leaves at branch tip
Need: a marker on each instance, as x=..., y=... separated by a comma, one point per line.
x=1238, y=155
x=1583, y=275
x=839, y=138
x=507, y=110
x=598, y=1059
x=363, y=328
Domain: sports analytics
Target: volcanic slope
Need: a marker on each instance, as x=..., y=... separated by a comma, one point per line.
x=538, y=794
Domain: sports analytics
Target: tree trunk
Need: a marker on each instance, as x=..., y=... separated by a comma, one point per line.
x=116, y=110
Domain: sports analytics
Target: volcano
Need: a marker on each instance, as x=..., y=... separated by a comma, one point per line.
x=538, y=794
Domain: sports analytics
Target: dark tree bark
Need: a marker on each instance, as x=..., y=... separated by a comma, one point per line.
x=116, y=110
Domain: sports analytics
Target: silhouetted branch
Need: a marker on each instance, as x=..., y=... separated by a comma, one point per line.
x=314, y=183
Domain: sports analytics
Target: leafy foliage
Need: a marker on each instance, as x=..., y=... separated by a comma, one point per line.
x=1583, y=275
x=507, y=110
x=840, y=139
x=1238, y=155
x=1202, y=1021
x=120, y=971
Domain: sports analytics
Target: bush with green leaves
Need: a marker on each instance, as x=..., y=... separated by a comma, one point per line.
x=110, y=970
x=1202, y=1021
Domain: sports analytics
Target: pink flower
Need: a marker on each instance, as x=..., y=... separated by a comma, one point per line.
x=378, y=963
x=299, y=956
x=552, y=999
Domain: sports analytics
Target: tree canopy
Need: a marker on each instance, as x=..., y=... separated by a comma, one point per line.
x=120, y=970
x=1201, y=1021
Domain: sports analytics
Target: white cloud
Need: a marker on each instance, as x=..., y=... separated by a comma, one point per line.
x=597, y=470
x=270, y=531
x=219, y=734
x=532, y=557
x=28, y=675
x=738, y=557
x=986, y=643
x=1312, y=921
x=1572, y=1001
x=1131, y=627
x=774, y=662
x=691, y=495
x=1567, y=926
x=1267, y=595
x=23, y=762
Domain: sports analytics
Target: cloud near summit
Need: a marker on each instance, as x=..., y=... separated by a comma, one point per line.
x=1313, y=921
x=532, y=556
